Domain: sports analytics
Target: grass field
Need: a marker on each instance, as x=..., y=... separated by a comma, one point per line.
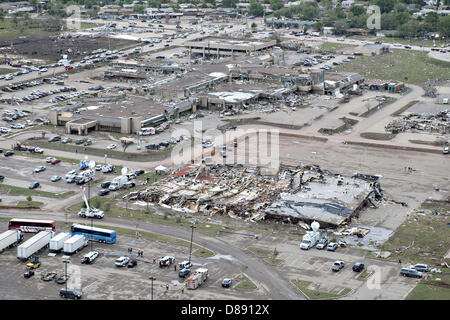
x=7, y=70
x=411, y=42
x=404, y=108
x=405, y=66
x=315, y=294
x=244, y=283
x=25, y=204
x=115, y=154
x=437, y=287
x=333, y=47
x=18, y=191
x=377, y=136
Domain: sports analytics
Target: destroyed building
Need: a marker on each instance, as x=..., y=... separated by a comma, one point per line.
x=438, y=123
x=299, y=194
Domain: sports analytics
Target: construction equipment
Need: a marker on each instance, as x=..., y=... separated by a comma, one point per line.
x=34, y=262
x=89, y=212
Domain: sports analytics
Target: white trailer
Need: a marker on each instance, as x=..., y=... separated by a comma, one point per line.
x=118, y=183
x=34, y=244
x=10, y=239
x=57, y=242
x=75, y=244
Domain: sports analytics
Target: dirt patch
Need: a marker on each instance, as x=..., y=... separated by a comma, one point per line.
x=377, y=136
x=387, y=146
x=429, y=143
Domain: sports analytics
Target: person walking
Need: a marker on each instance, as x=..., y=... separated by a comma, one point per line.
x=175, y=267
x=139, y=253
x=154, y=259
x=142, y=253
x=399, y=261
x=167, y=287
x=182, y=290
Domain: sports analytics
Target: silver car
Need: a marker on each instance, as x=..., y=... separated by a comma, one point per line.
x=337, y=265
x=55, y=178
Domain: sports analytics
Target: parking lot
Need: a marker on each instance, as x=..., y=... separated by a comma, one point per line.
x=103, y=280
x=19, y=171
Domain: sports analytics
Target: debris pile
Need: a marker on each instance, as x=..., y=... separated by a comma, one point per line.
x=422, y=123
x=290, y=194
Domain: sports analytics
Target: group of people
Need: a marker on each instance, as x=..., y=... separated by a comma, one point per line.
x=140, y=253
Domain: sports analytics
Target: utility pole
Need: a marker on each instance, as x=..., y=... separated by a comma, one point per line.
x=152, y=278
x=192, y=236
x=65, y=270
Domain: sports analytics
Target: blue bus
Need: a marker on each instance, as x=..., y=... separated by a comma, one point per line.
x=96, y=234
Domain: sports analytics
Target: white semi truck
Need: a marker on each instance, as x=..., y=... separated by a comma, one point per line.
x=34, y=244
x=10, y=239
x=57, y=242
x=75, y=244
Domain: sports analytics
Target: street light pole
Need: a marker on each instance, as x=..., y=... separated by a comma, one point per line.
x=192, y=236
x=152, y=278
x=65, y=270
x=92, y=218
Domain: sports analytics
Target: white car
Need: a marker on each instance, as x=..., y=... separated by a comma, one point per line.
x=111, y=146
x=49, y=159
x=39, y=169
x=122, y=261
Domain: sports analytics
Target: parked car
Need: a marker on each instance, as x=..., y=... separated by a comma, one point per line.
x=89, y=257
x=184, y=273
x=420, y=267
x=337, y=266
x=70, y=293
x=332, y=246
x=122, y=261
x=55, y=178
x=226, y=283
x=358, y=267
x=185, y=265
x=39, y=169
x=132, y=263
x=103, y=192
x=34, y=185
x=111, y=146
x=409, y=272
x=130, y=185
x=8, y=153
x=322, y=243
x=56, y=161
x=49, y=159
x=105, y=184
x=139, y=172
x=28, y=274
x=54, y=138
